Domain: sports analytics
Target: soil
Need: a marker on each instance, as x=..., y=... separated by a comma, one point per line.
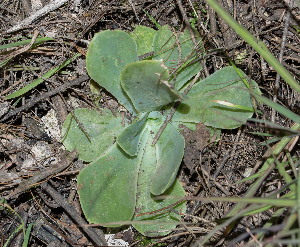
x=38, y=179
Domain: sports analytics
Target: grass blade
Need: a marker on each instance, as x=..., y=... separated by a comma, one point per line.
x=38, y=41
x=4, y=62
x=26, y=237
x=15, y=231
x=152, y=19
x=284, y=111
x=40, y=80
x=258, y=45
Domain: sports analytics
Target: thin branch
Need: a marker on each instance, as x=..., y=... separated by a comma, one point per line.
x=43, y=11
x=63, y=202
x=44, y=96
x=43, y=174
x=283, y=43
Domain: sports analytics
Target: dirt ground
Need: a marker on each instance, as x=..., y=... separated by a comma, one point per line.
x=30, y=127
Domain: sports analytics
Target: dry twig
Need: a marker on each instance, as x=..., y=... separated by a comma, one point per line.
x=43, y=11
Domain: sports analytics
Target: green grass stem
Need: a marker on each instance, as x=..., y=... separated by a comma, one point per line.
x=258, y=45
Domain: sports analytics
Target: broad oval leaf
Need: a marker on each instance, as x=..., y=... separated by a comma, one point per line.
x=223, y=85
x=145, y=202
x=146, y=84
x=108, y=52
x=107, y=187
x=169, y=153
x=163, y=220
x=143, y=37
x=169, y=148
x=101, y=129
x=165, y=47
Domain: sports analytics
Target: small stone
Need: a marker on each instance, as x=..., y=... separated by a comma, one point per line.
x=247, y=172
x=42, y=152
x=51, y=125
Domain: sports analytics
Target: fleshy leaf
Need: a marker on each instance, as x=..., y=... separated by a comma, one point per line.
x=101, y=129
x=169, y=148
x=130, y=137
x=146, y=85
x=143, y=37
x=165, y=47
x=224, y=85
x=169, y=153
x=145, y=201
x=107, y=187
x=109, y=51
